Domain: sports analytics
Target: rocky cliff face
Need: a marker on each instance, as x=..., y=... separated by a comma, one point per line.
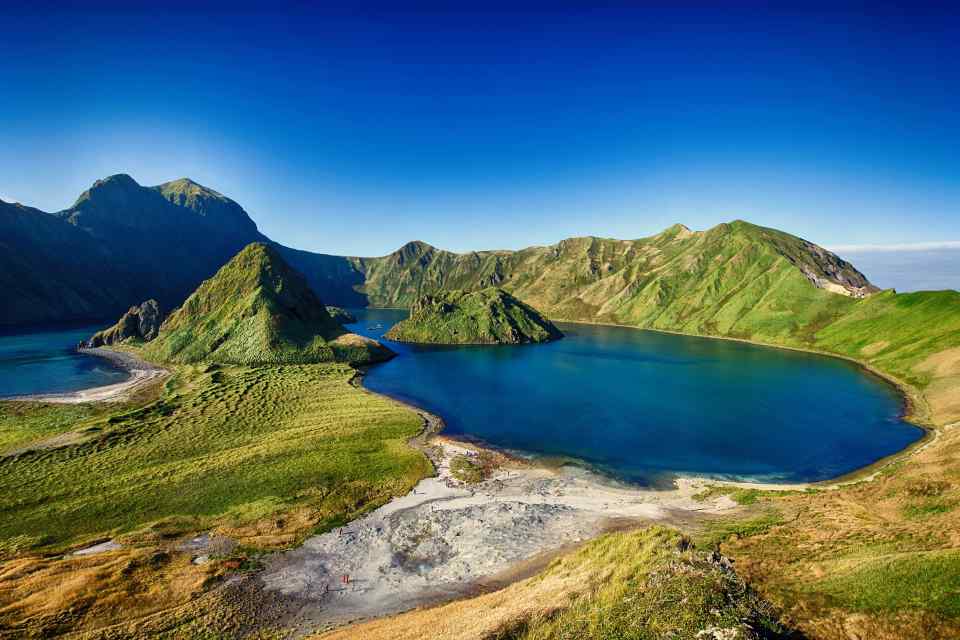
x=341, y=315
x=139, y=323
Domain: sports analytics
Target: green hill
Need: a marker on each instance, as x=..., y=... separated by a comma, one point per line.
x=488, y=316
x=257, y=310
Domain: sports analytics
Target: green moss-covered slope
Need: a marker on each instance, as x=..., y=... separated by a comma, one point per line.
x=488, y=316
x=257, y=310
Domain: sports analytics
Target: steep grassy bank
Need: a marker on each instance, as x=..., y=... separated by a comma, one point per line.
x=877, y=559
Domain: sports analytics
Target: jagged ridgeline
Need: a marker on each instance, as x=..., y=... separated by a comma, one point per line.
x=258, y=310
x=488, y=316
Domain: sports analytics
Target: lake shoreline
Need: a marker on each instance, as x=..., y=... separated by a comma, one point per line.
x=448, y=539
x=141, y=373
x=913, y=411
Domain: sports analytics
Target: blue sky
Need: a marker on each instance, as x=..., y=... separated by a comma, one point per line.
x=349, y=131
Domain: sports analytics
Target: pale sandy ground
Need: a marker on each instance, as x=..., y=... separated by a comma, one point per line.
x=446, y=539
x=141, y=374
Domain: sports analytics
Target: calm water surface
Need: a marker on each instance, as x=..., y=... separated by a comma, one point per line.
x=46, y=362
x=635, y=404
x=639, y=404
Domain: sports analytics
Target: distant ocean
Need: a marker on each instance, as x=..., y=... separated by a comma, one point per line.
x=930, y=270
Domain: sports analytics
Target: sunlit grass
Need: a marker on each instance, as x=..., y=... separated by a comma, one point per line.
x=227, y=446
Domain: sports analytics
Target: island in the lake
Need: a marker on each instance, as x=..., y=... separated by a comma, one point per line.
x=488, y=316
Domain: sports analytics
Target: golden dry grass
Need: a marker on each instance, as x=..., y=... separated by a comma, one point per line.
x=42, y=597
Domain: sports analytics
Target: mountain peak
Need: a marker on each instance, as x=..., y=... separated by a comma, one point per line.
x=122, y=179
x=117, y=183
x=415, y=246
x=258, y=310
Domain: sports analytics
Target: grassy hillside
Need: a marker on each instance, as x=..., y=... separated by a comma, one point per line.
x=728, y=280
x=877, y=559
x=488, y=316
x=647, y=584
x=913, y=336
x=257, y=310
x=263, y=455
x=222, y=446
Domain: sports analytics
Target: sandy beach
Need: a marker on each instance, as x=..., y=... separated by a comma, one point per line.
x=141, y=374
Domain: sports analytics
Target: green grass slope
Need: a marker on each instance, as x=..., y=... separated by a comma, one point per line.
x=736, y=280
x=488, y=316
x=222, y=446
x=257, y=310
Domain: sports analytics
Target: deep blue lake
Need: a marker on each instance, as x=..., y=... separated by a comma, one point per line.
x=640, y=405
x=637, y=405
x=46, y=362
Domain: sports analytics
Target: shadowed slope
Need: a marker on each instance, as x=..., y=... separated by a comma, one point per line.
x=257, y=310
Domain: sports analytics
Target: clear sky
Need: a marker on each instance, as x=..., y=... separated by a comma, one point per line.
x=352, y=131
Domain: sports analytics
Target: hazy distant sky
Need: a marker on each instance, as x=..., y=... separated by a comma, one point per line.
x=353, y=131
x=908, y=269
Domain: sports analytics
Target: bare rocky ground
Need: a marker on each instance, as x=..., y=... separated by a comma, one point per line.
x=448, y=539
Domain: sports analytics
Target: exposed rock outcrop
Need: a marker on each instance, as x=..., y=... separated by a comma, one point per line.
x=341, y=315
x=139, y=322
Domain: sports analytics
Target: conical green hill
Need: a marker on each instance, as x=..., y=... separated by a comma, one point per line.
x=258, y=310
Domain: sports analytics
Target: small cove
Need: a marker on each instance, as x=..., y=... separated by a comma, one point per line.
x=640, y=405
x=46, y=361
